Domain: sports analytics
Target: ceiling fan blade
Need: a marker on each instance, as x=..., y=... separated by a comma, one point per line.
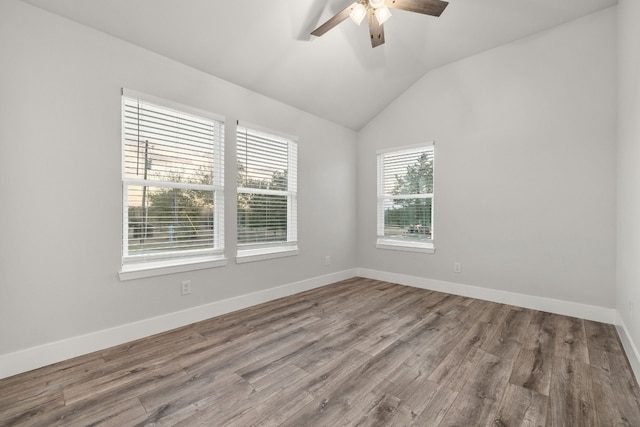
x=376, y=30
x=428, y=7
x=335, y=20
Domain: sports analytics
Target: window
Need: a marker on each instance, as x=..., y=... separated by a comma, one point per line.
x=405, y=199
x=172, y=184
x=267, y=195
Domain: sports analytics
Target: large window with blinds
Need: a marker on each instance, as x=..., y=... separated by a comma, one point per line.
x=405, y=198
x=172, y=184
x=267, y=194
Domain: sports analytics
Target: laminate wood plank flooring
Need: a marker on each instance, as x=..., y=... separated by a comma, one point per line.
x=359, y=352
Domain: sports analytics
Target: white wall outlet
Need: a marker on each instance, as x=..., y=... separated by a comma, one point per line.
x=327, y=260
x=457, y=267
x=185, y=287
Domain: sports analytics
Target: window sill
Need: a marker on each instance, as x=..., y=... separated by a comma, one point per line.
x=159, y=268
x=397, y=245
x=251, y=255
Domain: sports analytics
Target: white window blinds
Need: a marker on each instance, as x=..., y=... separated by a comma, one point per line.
x=172, y=182
x=405, y=194
x=267, y=188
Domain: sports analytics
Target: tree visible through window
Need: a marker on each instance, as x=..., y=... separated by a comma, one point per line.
x=405, y=195
x=172, y=183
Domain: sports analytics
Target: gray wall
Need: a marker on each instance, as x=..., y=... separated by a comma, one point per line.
x=525, y=177
x=61, y=189
x=629, y=169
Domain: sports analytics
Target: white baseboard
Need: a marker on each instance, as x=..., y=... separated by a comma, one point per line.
x=46, y=354
x=629, y=347
x=567, y=308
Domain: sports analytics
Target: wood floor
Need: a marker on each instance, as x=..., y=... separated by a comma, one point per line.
x=358, y=352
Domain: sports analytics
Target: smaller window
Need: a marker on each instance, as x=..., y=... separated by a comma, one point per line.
x=405, y=199
x=267, y=195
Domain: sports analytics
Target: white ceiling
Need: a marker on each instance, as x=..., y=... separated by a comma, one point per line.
x=265, y=46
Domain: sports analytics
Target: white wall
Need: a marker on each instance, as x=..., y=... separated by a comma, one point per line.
x=525, y=177
x=60, y=222
x=628, y=283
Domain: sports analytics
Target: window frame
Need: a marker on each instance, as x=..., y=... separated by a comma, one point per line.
x=134, y=266
x=269, y=250
x=391, y=243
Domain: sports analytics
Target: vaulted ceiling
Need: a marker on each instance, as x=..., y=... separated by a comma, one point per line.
x=266, y=46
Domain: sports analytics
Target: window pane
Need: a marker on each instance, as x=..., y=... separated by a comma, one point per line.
x=407, y=218
x=166, y=145
x=262, y=218
x=262, y=160
x=266, y=177
x=409, y=172
x=169, y=219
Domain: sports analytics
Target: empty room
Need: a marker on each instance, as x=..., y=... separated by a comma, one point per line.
x=320, y=213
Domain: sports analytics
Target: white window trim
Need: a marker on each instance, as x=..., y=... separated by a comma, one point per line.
x=160, y=268
x=250, y=253
x=150, y=265
x=399, y=245
x=389, y=243
x=254, y=253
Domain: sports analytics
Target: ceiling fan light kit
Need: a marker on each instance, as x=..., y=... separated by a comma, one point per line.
x=358, y=13
x=382, y=14
x=379, y=13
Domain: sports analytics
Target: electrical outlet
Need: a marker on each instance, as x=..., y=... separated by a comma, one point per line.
x=185, y=288
x=457, y=267
x=327, y=260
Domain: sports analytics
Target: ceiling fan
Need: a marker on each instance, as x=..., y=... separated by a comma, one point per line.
x=378, y=12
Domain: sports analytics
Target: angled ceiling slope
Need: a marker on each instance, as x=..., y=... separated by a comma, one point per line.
x=266, y=46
